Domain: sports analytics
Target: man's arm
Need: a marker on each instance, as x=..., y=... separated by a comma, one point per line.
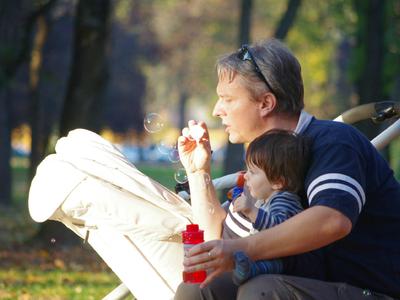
x=311, y=229
x=195, y=155
x=207, y=211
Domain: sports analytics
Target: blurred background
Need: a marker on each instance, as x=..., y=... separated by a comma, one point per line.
x=136, y=72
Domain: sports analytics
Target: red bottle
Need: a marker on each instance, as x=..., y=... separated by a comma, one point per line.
x=190, y=237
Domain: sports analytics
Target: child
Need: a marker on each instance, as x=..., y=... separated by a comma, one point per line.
x=276, y=166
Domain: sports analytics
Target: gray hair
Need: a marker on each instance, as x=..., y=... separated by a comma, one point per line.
x=278, y=65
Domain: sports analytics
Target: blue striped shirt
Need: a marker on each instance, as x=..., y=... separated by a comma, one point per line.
x=349, y=175
x=281, y=206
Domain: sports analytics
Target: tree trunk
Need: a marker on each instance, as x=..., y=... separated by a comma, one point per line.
x=342, y=83
x=5, y=149
x=83, y=103
x=245, y=21
x=371, y=42
x=287, y=19
x=38, y=132
x=9, y=45
x=183, y=97
x=82, y=106
x=14, y=44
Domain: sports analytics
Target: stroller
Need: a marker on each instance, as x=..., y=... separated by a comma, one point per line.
x=130, y=220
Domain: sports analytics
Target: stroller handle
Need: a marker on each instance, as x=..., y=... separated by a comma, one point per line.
x=378, y=111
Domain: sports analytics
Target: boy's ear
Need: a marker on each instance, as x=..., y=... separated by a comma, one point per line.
x=267, y=103
x=278, y=185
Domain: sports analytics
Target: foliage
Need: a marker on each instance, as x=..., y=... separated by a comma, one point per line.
x=391, y=34
x=316, y=48
x=391, y=70
x=191, y=37
x=160, y=48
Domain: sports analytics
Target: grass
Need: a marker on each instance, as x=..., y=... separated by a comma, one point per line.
x=50, y=273
x=55, y=284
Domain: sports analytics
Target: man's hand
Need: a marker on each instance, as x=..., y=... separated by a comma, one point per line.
x=194, y=147
x=214, y=256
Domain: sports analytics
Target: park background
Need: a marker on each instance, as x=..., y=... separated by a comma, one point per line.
x=107, y=65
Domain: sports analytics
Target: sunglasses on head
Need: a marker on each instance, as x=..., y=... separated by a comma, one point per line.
x=245, y=54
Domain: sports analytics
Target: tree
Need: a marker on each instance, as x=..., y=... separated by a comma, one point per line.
x=369, y=56
x=287, y=19
x=82, y=107
x=133, y=44
x=17, y=19
x=88, y=77
x=39, y=132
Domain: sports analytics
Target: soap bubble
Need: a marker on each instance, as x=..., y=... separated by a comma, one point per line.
x=180, y=175
x=153, y=123
x=165, y=147
x=53, y=240
x=173, y=155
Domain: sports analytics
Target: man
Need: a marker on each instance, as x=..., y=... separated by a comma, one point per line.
x=353, y=198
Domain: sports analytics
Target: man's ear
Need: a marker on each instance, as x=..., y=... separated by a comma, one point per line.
x=267, y=103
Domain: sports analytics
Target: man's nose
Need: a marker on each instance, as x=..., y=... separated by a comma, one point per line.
x=217, y=111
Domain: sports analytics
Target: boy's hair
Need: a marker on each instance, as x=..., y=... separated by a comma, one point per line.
x=278, y=65
x=283, y=156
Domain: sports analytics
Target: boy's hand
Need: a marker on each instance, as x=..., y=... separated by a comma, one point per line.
x=244, y=205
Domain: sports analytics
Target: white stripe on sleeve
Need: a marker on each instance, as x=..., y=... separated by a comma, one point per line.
x=240, y=219
x=336, y=176
x=235, y=228
x=338, y=186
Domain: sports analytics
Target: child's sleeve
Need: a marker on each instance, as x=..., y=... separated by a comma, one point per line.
x=276, y=211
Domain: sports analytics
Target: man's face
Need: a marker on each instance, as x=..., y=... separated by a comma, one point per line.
x=239, y=114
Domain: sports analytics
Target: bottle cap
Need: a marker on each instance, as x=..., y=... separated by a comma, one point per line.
x=240, y=180
x=192, y=234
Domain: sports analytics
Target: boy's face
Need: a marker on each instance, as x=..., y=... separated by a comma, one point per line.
x=239, y=114
x=258, y=184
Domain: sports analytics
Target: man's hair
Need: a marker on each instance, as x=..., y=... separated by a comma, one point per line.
x=283, y=156
x=277, y=64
